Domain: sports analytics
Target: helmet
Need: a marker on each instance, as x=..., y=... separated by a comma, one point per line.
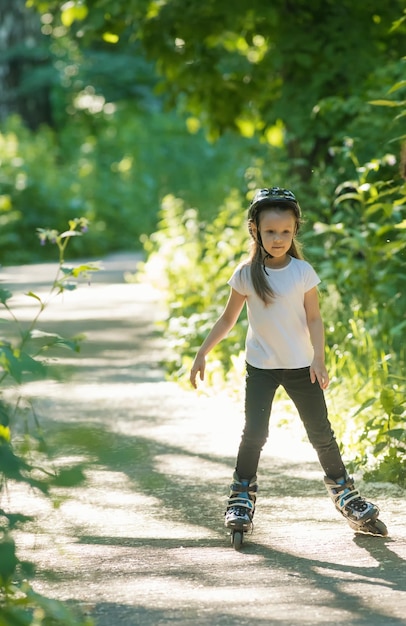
x=270, y=196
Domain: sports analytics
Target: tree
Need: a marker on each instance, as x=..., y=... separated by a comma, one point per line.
x=294, y=73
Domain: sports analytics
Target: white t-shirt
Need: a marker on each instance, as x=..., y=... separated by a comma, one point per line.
x=278, y=336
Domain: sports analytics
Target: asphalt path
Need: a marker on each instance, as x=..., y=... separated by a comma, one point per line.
x=142, y=542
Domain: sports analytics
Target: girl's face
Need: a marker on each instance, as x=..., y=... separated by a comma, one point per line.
x=277, y=229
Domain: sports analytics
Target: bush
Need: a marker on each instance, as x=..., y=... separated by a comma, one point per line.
x=24, y=358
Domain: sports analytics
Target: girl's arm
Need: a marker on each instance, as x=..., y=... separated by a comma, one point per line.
x=220, y=329
x=318, y=369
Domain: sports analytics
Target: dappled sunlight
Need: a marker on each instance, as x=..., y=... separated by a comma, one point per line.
x=191, y=467
x=144, y=534
x=111, y=302
x=111, y=508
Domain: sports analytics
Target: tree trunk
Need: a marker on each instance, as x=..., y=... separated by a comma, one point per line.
x=24, y=54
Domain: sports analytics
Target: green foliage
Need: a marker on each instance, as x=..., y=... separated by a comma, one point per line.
x=116, y=152
x=388, y=426
x=33, y=609
x=197, y=257
x=367, y=393
x=25, y=356
x=113, y=169
x=21, y=359
x=259, y=64
x=364, y=243
x=362, y=252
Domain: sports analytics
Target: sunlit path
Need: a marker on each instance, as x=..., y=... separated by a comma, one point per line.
x=143, y=541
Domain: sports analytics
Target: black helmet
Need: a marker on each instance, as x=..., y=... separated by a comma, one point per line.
x=271, y=196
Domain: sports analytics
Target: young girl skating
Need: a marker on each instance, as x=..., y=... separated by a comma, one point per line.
x=284, y=346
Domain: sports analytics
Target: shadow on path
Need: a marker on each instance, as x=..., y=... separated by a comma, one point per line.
x=143, y=541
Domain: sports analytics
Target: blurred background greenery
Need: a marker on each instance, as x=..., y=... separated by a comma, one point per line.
x=157, y=119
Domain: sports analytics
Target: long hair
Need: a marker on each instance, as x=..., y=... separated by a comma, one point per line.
x=256, y=260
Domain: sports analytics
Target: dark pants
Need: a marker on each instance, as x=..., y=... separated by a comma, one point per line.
x=308, y=398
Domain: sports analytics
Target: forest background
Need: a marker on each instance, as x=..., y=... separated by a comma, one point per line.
x=156, y=120
x=150, y=124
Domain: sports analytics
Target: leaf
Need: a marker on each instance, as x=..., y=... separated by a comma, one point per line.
x=396, y=86
x=397, y=433
x=16, y=363
x=29, y=364
x=380, y=446
x=85, y=268
x=386, y=103
x=68, y=286
x=347, y=196
x=5, y=295
x=80, y=269
x=364, y=406
x=397, y=23
x=370, y=425
x=36, y=334
x=4, y=433
x=10, y=363
x=56, y=612
x=8, y=559
x=31, y=294
x=387, y=399
x=10, y=464
x=58, y=340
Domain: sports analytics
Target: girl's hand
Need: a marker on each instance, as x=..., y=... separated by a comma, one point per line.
x=220, y=329
x=319, y=372
x=199, y=365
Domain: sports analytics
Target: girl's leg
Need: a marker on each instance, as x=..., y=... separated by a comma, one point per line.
x=259, y=392
x=361, y=515
x=309, y=400
x=260, y=389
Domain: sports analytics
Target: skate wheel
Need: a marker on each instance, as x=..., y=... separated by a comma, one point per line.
x=380, y=528
x=237, y=539
x=376, y=528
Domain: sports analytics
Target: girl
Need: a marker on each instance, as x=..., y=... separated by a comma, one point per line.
x=284, y=346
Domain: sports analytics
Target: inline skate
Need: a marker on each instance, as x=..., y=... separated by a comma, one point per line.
x=240, y=508
x=361, y=515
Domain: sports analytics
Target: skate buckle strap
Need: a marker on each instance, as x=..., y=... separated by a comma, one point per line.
x=346, y=496
x=236, y=501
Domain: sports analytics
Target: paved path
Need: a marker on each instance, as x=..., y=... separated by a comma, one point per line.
x=142, y=543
